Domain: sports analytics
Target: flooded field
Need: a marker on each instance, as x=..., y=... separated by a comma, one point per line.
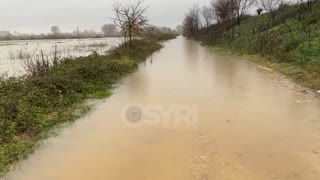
x=13, y=54
x=247, y=123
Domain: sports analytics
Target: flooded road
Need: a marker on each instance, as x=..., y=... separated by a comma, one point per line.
x=247, y=123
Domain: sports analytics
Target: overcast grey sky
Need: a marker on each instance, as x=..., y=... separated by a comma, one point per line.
x=39, y=15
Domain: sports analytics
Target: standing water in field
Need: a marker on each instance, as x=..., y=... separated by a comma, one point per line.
x=189, y=113
x=14, y=54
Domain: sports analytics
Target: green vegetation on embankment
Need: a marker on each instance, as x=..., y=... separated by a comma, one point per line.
x=288, y=40
x=31, y=106
x=290, y=44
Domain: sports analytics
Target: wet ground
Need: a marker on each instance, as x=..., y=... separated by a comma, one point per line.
x=190, y=113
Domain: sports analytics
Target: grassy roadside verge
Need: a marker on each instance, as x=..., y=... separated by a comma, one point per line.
x=307, y=75
x=33, y=105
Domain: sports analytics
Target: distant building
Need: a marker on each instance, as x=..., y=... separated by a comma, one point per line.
x=4, y=33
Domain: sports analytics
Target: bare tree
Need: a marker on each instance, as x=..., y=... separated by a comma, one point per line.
x=207, y=15
x=214, y=12
x=191, y=23
x=271, y=6
x=55, y=30
x=151, y=31
x=179, y=29
x=224, y=9
x=231, y=10
x=130, y=18
x=109, y=30
x=241, y=7
x=188, y=29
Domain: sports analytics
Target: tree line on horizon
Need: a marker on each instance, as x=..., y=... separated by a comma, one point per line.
x=57, y=33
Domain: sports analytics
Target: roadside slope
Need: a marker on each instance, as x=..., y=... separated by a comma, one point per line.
x=290, y=44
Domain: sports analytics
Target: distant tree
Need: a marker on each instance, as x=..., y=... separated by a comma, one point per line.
x=130, y=18
x=224, y=10
x=207, y=15
x=4, y=33
x=231, y=10
x=192, y=22
x=259, y=11
x=151, y=31
x=214, y=13
x=179, y=29
x=165, y=30
x=55, y=30
x=271, y=6
x=188, y=26
x=241, y=7
x=109, y=30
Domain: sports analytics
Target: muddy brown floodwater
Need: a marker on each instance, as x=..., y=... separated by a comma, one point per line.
x=246, y=123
